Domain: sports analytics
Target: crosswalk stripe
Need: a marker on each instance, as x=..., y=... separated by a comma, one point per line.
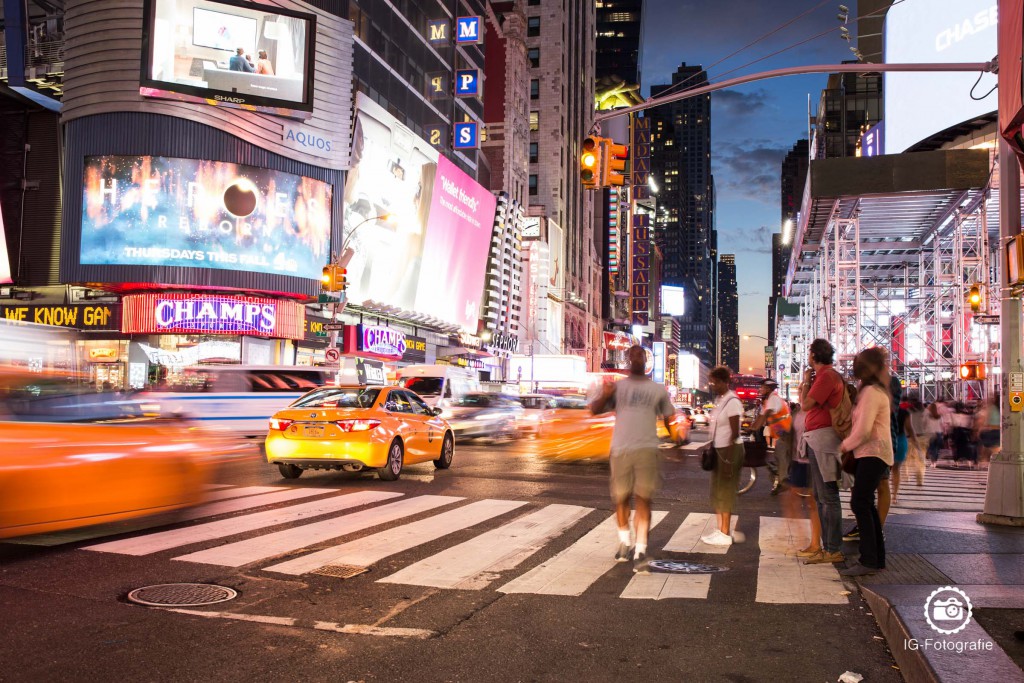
x=278, y=495
x=577, y=567
x=270, y=545
x=238, y=492
x=687, y=537
x=783, y=578
x=366, y=551
x=476, y=563
x=174, y=538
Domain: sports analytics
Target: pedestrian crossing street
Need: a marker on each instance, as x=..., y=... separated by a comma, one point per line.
x=313, y=528
x=942, y=489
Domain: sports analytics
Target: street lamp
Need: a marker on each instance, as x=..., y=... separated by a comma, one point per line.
x=346, y=257
x=747, y=337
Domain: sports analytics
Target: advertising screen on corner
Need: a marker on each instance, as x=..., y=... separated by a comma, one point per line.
x=230, y=53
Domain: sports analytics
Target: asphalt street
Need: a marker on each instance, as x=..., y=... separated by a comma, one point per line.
x=524, y=592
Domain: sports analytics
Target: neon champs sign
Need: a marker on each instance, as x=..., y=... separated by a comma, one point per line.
x=384, y=341
x=215, y=316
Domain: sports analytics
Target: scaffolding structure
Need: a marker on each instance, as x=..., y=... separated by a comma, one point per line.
x=902, y=284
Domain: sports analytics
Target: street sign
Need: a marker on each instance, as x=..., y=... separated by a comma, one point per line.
x=328, y=297
x=334, y=327
x=332, y=355
x=985, y=319
x=320, y=333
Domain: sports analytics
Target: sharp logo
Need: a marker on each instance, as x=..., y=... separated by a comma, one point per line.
x=236, y=100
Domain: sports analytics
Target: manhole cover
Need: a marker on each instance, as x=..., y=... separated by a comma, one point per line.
x=182, y=595
x=341, y=571
x=674, y=567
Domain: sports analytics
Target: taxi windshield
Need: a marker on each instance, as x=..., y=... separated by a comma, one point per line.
x=339, y=397
x=569, y=403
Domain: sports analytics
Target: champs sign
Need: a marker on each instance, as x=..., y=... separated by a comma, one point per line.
x=184, y=313
x=383, y=341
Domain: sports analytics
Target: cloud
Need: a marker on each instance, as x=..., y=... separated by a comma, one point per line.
x=750, y=169
x=745, y=240
x=739, y=104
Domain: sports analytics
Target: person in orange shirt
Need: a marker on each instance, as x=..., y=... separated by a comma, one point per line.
x=263, y=65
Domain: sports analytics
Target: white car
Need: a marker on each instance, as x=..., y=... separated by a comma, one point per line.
x=700, y=418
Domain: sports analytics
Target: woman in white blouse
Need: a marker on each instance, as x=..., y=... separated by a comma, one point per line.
x=870, y=440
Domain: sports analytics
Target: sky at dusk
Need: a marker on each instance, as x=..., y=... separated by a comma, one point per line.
x=753, y=126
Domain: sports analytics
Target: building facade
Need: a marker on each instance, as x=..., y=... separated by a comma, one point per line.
x=681, y=166
x=729, y=312
x=560, y=51
x=619, y=31
x=793, y=179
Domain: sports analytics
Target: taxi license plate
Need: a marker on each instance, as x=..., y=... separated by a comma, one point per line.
x=315, y=431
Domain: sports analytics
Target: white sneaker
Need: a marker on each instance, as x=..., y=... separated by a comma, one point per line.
x=716, y=537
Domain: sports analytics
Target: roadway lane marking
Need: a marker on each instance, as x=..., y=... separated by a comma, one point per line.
x=783, y=578
x=366, y=551
x=660, y=586
x=238, y=492
x=89, y=533
x=357, y=629
x=687, y=537
x=270, y=545
x=479, y=561
x=174, y=538
x=575, y=569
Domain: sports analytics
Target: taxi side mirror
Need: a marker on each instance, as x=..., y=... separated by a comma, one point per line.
x=436, y=411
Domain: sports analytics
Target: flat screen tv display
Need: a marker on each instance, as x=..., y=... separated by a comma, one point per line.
x=229, y=53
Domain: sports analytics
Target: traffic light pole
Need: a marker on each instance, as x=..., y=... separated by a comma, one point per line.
x=1004, y=497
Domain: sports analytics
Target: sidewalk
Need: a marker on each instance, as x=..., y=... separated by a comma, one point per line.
x=930, y=550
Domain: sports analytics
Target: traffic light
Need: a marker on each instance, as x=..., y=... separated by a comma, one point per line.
x=590, y=163
x=340, y=281
x=327, y=279
x=615, y=158
x=974, y=298
x=972, y=370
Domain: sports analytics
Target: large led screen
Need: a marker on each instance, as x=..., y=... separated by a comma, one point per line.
x=228, y=52
x=419, y=228
x=163, y=211
x=918, y=105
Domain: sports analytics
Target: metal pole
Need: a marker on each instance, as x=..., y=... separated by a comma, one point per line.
x=1004, y=498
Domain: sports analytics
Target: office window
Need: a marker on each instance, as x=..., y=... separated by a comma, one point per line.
x=534, y=152
x=534, y=120
x=533, y=54
x=533, y=185
x=534, y=89
x=533, y=27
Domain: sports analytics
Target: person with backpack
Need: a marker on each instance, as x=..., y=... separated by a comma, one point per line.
x=823, y=395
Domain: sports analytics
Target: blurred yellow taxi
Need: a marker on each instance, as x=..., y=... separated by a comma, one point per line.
x=354, y=428
x=567, y=430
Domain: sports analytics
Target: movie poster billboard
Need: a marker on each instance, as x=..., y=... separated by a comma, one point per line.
x=165, y=211
x=419, y=228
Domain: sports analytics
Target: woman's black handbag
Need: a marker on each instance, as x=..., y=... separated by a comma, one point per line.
x=708, y=458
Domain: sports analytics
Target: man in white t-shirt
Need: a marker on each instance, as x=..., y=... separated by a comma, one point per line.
x=638, y=402
x=776, y=417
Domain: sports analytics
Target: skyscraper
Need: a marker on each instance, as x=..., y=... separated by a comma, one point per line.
x=560, y=48
x=729, y=311
x=681, y=166
x=793, y=178
x=619, y=27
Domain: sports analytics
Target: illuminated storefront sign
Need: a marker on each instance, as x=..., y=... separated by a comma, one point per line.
x=659, y=362
x=640, y=280
x=415, y=349
x=640, y=156
x=78, y=316
x=185, y=313
x=383, y=341
x=503, y=344
x=468, y=30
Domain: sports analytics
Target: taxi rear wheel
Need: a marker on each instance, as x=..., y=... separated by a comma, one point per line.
x=447, y=453
x=393, y=468
x=289, y=471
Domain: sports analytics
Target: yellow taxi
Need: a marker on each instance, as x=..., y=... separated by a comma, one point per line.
x=359, y=427
x=567, y=430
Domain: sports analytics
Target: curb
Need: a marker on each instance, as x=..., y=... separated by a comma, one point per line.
x=914, y=666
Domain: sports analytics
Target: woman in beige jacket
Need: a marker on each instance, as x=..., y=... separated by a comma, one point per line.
x=870, y=440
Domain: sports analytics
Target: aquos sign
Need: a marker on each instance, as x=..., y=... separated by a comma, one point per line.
x=184, y=313
x=383, y=341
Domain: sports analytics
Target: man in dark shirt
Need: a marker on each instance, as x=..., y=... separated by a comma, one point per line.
x=239, y=63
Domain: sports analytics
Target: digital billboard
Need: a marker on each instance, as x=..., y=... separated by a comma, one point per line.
x=165, y=211
x=918, y=105
x=5, y=262
x=673, y=300
x=419, y=228
x=229, y=52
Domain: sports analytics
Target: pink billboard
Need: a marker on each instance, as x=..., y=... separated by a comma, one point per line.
x=456, y=249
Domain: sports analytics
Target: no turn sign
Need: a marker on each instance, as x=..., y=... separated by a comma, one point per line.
x=332, y=355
